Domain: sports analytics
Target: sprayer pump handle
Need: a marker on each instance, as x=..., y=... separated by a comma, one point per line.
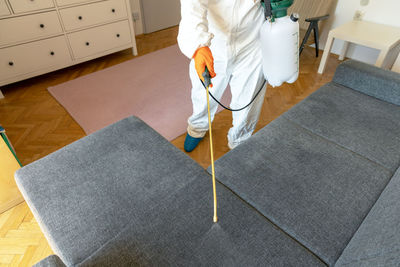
x=267, y=9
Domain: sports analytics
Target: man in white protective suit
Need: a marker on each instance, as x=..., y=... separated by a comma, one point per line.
x=223, y=35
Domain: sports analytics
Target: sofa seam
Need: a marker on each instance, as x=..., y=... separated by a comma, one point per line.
x=103, y=245
x=268, y=219
x=363, y=93
x=126, y=226
x=371, y=257
x=391, y=174
x=271, y=222
x=369, y=211
x=339, y=146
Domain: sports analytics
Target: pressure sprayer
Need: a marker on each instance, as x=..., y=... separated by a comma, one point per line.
x=280, y=43
x=280, y=50
x=279, y=36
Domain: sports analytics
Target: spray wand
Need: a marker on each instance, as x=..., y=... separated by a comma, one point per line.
x=207, y=82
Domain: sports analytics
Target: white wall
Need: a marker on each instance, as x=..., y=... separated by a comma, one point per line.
x=379, y=11
x=135, y=5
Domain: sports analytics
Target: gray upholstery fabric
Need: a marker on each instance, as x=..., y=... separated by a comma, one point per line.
x=370, y=80
x=180, y=232
x=50, y=261
x=361, y=123
x=83, y=195
x=124, y=196
x=314, y=190
x=377, y=241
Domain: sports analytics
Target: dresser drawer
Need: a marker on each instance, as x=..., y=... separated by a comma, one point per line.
x=4, y=11
x=92, y=41
x=28, y=27
x=92, y=14
x=20, y=6
x=70, y=2
x=31, y=57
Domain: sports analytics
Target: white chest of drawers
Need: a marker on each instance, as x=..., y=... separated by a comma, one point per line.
x=39, y=36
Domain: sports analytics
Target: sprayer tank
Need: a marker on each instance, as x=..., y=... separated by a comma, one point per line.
x=280, y=50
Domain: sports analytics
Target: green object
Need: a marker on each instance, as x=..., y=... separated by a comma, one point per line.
x=4, y=136
x=279, y=8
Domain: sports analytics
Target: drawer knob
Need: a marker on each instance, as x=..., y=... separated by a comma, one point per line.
x=11, y=63
x=52, y=53
x=41, y=25
x=87, y=43
x=118, y=35
x=113, y=10
x=80, y=17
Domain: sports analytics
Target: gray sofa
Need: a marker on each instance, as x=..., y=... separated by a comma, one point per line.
x=319, y=186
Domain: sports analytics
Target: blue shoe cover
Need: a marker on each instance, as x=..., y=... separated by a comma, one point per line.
x=191, y=143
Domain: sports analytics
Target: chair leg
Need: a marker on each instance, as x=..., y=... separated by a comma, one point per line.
x=316, y=38
x=305, y=38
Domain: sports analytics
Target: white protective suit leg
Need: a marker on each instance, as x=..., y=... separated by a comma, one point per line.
x=245, y=76
x=198, y=122
x=247, y=79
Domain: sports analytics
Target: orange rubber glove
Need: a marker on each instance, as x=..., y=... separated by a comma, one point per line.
x=202, y=58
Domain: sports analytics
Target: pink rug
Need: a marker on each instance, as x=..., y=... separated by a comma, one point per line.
x=154, y=87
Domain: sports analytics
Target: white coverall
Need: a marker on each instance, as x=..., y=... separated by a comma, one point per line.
x=231, y=29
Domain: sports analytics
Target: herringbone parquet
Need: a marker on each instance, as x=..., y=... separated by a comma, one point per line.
x=21, y=240
x=37, y=125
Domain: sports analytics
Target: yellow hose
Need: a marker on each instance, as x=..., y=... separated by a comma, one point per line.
x=215, y=219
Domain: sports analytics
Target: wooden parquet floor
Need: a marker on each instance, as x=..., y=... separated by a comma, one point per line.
x=38, y=125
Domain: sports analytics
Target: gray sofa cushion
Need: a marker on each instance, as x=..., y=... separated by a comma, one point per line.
x=126, y=196
x=314, y=190
x=50, y=261
x=361, y=123
x=180, y=232
x=377, y=241
x=83, y=195
x=370, y=80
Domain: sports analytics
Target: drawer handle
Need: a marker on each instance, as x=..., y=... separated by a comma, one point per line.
x=41, y=25
x=87, y=43
x=118, y=35
x=11, y=63
x=113, y=10
x=80, y=17
x=52, y=53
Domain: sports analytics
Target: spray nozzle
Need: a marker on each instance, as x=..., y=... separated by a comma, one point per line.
x=207, y=77
x=294, y=17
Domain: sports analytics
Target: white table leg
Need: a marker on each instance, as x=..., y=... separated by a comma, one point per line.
x=1, y=95
x=326, y=53
x=134, y=51
x=381, y=58
x=396, y=65
x=344, y=50
x=391, y=56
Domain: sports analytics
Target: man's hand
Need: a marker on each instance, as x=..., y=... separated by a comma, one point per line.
x=203, y=58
